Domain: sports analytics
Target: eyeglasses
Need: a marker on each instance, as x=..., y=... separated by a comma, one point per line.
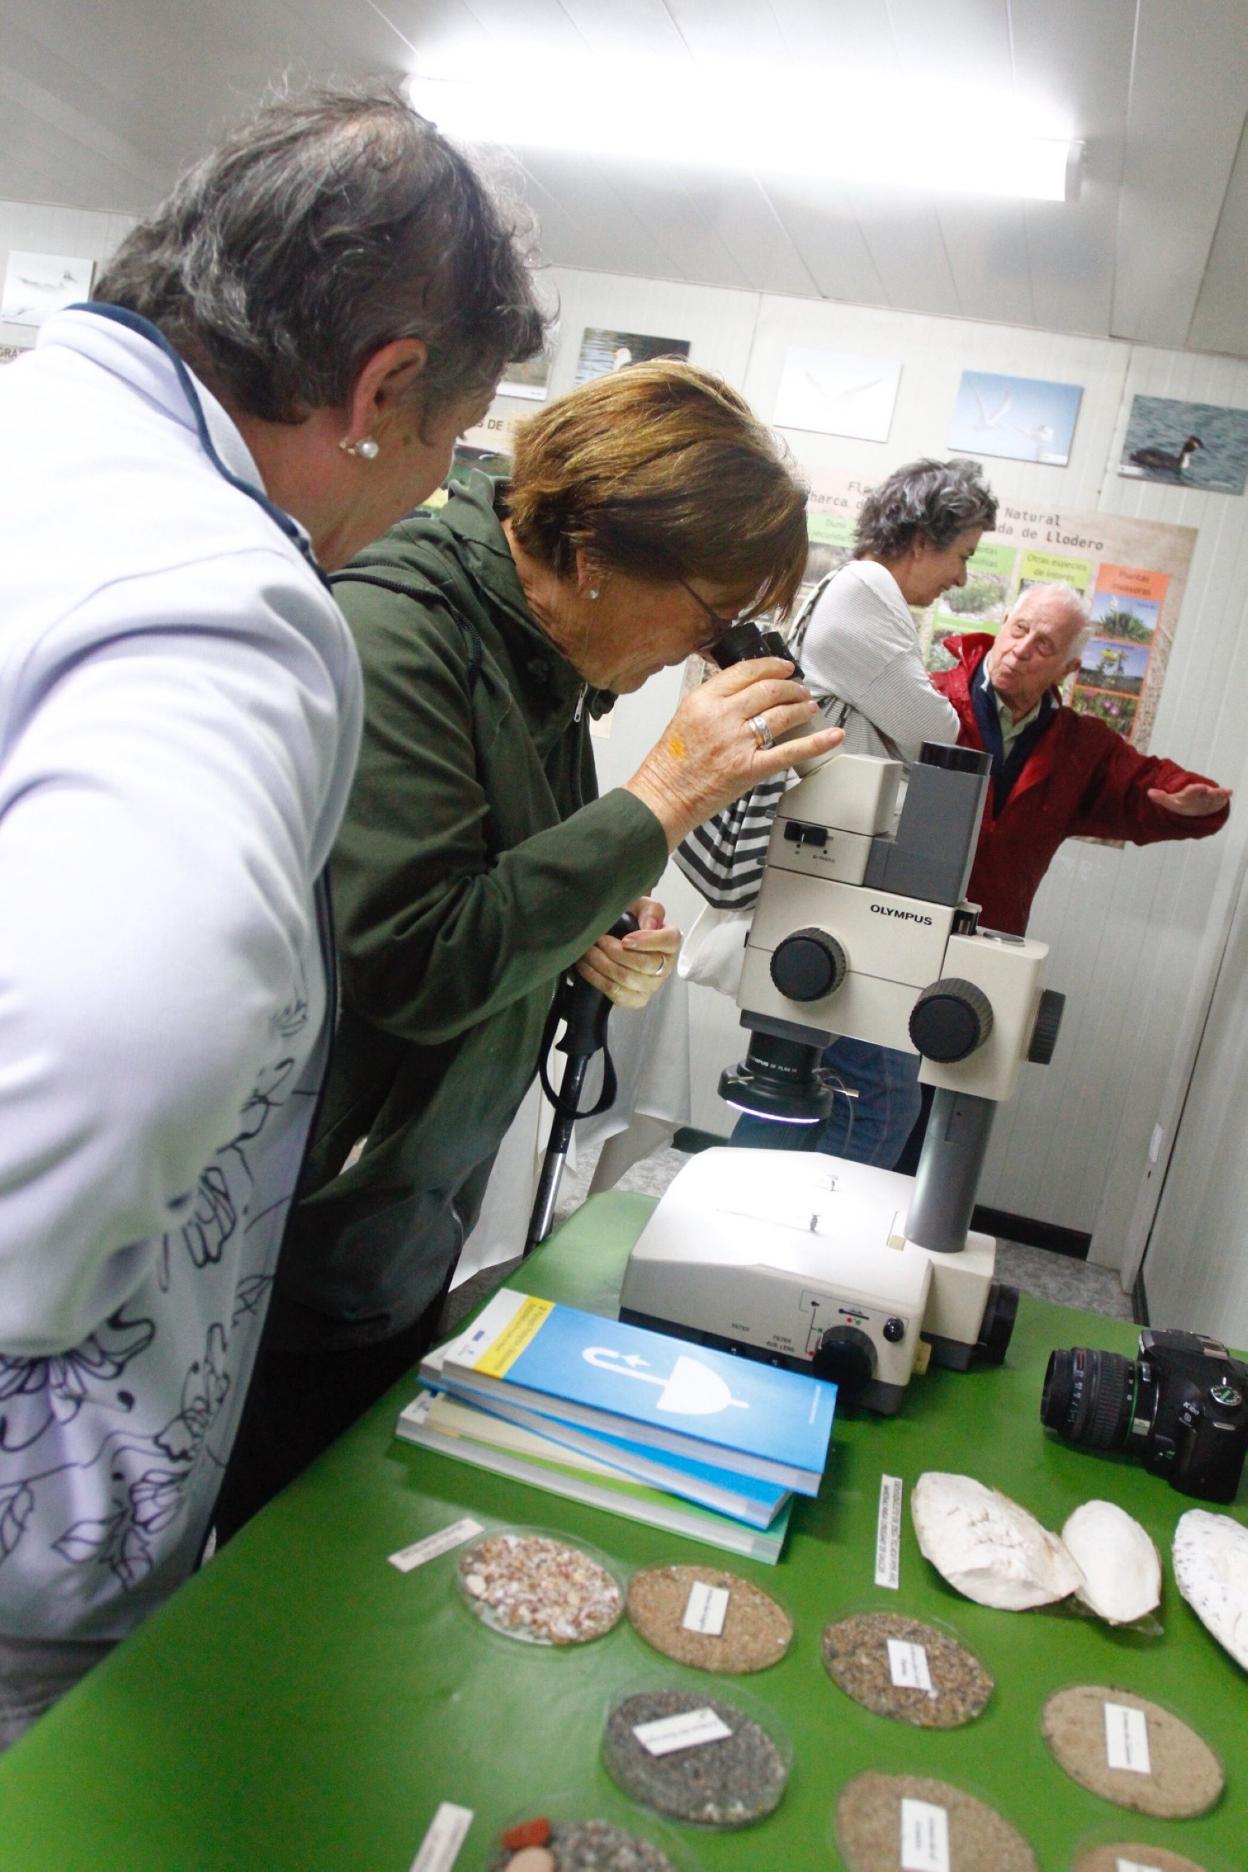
x=718, y=624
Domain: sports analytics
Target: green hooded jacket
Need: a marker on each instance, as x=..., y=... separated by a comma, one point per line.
x=474, y=866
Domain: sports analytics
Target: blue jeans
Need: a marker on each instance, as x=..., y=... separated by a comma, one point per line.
x=871, y=1129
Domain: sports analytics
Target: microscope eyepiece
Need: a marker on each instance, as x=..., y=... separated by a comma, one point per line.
x=745, y=640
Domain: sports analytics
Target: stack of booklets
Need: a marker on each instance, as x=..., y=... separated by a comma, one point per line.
x=639, y=1423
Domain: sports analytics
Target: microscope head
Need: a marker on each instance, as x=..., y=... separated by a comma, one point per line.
x=862, y=929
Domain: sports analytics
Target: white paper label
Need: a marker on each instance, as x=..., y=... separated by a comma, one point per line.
x=1126, y=1739
x=888, y=1533
x=924, y=1837
x=434, y=1544
x=447, y=1831
x=706, y=1610
x=907, y=1665
x=1132, y=1865
x=691, y=1729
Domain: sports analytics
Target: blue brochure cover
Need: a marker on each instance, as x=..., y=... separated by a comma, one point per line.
x=733, y=1413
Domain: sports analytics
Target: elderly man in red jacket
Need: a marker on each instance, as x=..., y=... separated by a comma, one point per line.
x=1056, y=774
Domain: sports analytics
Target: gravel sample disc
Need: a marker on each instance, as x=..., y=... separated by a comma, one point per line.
x=756, y=1631
x=869, y=1820
x=1146, y=1858
x=1176, y=1775
x=725, y=1783
x=942, y=1685
x=584, y=1846
x=542, y=1590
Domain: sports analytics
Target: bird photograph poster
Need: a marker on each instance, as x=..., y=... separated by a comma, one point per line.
x=1194, y=445
x=605, y=351
x=1022, y=418
x=836, y=393
x=36, y=285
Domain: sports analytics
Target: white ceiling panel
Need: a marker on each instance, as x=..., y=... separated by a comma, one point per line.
x=683, y=209
x=907, y=247
x=957, y=44
x=852, y=35
x=729, y=29
x=1218, y=321
x=1080, y=54
x=1185, y=118
x=822, y=222
x=638, y=28
x=607, y=225
x=101, y=105
x=755, y=234
x=989, y=259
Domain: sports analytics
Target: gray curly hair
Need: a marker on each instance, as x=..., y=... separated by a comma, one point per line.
x=321, y=229
x=936, y=499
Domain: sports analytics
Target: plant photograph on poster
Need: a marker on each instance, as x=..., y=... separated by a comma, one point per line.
x=604, y=351
x=1020, y=418
x=1119, y=616
x=1196, y=445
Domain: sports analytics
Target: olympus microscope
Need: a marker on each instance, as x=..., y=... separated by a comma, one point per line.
x=861, y=929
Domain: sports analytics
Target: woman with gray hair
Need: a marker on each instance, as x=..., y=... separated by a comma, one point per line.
x=276, y=368
x=860, y=653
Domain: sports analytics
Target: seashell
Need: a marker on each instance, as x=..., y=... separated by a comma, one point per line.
x=988, y=1547
x=1211, y=1568
x=1121, y=1568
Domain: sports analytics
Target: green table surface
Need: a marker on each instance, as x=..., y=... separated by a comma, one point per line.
x=302, y=1704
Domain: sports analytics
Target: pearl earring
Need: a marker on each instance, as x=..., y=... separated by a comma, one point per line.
x=366, y=448
x=593, y=594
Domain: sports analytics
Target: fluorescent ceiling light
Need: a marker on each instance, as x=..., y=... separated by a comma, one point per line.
x=888, y=134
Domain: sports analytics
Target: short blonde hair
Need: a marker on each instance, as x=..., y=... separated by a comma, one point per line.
x=661, y=471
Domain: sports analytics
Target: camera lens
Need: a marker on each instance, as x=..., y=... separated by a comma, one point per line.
x=1089, y=1397
x=747, y=640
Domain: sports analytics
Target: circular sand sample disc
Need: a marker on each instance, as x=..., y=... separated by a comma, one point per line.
x=542, y=1590
x=726, y=1783
x=869, y=1818
x=1144, y=1858
x=756, y=1631
x=584, y=1846
x=1178, y=1774
x=856, y=1656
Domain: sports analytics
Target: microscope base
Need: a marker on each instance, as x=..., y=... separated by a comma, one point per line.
x=789, y=1256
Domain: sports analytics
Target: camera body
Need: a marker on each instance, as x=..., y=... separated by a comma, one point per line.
x=1181, y=1406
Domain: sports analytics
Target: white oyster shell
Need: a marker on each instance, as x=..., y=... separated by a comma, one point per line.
x=1121, y=1568
x=1211, y=1567
x=988, y=1547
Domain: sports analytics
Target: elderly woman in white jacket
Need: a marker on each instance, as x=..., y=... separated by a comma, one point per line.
x=916, y=532
x=276, y=367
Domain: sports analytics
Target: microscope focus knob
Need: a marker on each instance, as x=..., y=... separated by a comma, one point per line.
x=808, y=965
x=1048, y=1026
x=846, y=1355
x=950, y=1020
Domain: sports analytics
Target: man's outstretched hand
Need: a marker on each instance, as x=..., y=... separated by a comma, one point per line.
x=1192, y=802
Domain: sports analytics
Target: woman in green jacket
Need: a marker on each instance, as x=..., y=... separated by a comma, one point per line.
x=477, y=864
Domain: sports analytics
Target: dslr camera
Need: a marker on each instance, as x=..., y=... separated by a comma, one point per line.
x=1181, y=1406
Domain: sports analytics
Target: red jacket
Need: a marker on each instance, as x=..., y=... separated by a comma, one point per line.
x=1081, y=780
